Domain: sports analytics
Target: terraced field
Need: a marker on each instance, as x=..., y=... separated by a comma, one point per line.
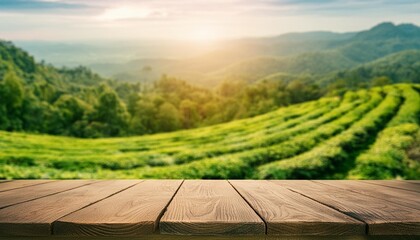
x=368, y=134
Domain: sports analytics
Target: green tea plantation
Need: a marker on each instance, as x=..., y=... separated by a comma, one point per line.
x=367, y=134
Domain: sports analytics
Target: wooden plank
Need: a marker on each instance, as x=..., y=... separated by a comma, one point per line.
x=16, y=184
x=395, y=184
x=132, y=212
x=34, y=218
x=216, y=237
x=382, y=217
x=210, y=207
x=395, y=195
x=17, y=196
x=180, y=237
x=289, y=213
x=413, y=181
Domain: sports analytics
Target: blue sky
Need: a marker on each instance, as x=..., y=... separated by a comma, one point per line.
x=202, y=20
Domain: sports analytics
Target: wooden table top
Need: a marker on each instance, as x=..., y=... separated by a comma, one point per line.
x=130, y=208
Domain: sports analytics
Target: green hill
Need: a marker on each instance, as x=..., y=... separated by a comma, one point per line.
x=398, y=67
x=368, y=134
x=401, y=67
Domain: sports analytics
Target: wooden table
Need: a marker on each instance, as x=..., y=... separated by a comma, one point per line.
x=209, y=209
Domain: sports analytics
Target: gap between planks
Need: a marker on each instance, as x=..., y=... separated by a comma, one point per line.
x=285, y=226
x=87, y=182
x=31, y=184
x=164, y=210
x=332, y=207
x=131, y=212
x=382, y=217
x=34, y=218
x=414, y=188
x=405, y=198
x=166, y=207
x=210, y=207
x=256, y=212
x=90, y=204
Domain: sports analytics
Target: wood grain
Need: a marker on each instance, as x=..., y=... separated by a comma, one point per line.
x=209, y=207
x=16, y=196
x=409, y=186
x=16, y=184
x=132, y=212
x=382, y=217
x=413, y=181
x=34, y=218
x=291, y=209
x=406, y=198
x=289, y=213
x=183, y=237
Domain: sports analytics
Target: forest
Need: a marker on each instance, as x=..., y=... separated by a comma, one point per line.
x=40, y=98
x=77, y=102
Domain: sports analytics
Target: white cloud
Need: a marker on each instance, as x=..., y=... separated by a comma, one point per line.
x=130, y=12
x=175, y=19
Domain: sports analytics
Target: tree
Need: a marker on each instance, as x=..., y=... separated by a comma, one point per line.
x=111, y=112
x=300, y=91
x=230, y=89
x=167, y=117
x=70, y=110
x=11, y=90
x=143, y=120
x=381, y=81
x=189, y=113
x=133, y=99
x=11, y=99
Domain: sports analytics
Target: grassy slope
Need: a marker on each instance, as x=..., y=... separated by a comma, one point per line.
x=328, y=138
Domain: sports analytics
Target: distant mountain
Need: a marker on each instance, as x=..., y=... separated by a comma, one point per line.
x=311, y=53
x=200, y=69
x=303, y=64
x=230, y=53
x=314, y=36
x=347, y=53
x=388, y=30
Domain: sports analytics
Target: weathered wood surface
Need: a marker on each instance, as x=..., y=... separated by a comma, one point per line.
x=406, y=185
x=289, y=213
x=34, y=218
x=19, y=195
x=382, y=216
x=210, y=207
x=170, y=208
x=9, y=185
x=132, y=212
x=395, y=195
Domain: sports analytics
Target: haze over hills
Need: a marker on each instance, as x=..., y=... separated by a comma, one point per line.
x=313, y=53
x=249, y=59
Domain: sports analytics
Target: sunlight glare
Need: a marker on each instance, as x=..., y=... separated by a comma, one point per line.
x=204, y=35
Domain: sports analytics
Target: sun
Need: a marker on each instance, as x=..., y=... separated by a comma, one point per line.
x=204, y=35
